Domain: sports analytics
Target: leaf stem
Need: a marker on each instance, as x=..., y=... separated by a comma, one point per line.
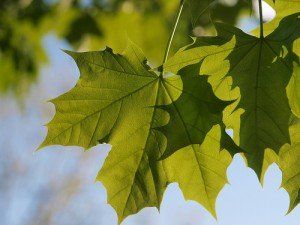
x=167, y=51
x=261, y=19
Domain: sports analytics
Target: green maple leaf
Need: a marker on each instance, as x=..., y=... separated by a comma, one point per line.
x=113, y=102
x=200, y=170
x=196, y=134
x=291, y=158
x=261, y=69
x=288, y=161
x=112, y=88
x=117, y=100
x=289, y=155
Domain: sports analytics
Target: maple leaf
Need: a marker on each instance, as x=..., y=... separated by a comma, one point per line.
x=117, y=100
x=198, y=148
x=113, y=102
x=200, y=170
x=261, y=69
x=288, y=161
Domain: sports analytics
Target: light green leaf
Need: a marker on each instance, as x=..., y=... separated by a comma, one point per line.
x=289, y=163
x=261, y=70
x=113, y=102
x=200, y=170
x=119, y=100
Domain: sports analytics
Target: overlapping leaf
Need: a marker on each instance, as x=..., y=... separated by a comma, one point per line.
x=196, y=134
x=194, y=113
x=261, y=69
x=289, y=163
x=196, y=118
x=118, y=100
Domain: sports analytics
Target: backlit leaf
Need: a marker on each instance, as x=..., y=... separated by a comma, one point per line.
x=200, y=170
x=261, y=69
x=119, y=100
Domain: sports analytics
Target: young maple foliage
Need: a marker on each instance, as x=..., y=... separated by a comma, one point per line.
x=171, y=128
x=252, y=64
x=262, y=69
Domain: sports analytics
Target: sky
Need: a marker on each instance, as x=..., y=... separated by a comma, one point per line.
x=44, y=179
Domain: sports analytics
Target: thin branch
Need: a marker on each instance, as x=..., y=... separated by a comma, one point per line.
x=167, y=51
x=261, y=19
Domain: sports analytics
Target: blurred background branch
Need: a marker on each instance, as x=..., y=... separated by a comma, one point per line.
x=90, y=25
